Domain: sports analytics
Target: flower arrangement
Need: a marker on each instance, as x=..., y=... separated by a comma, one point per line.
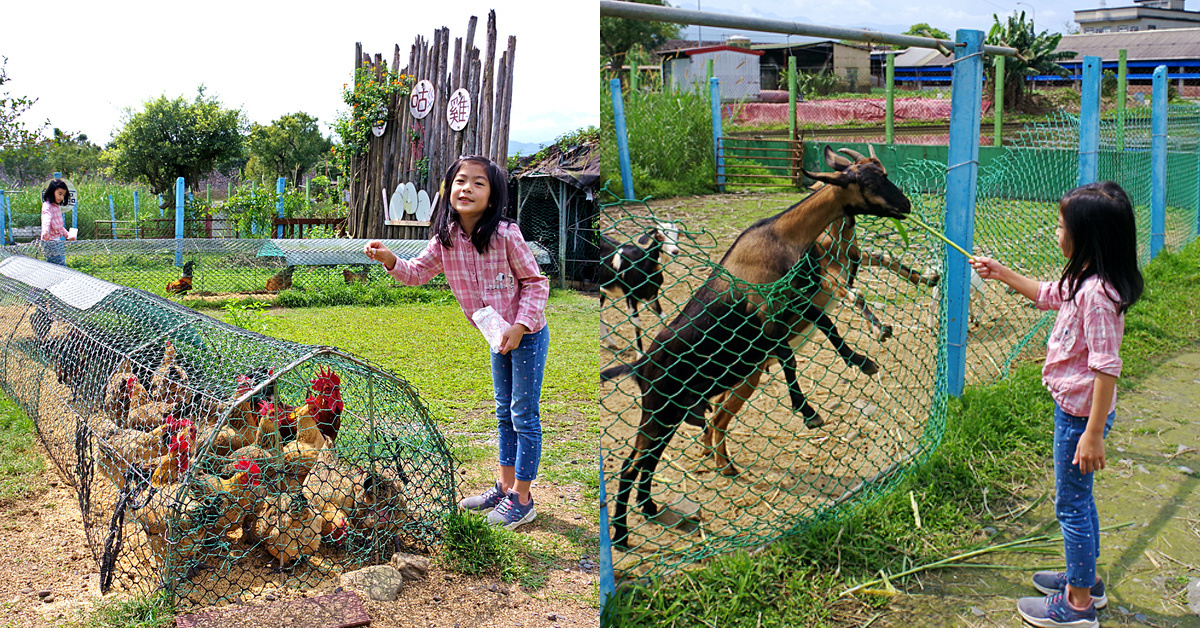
x=368, y=100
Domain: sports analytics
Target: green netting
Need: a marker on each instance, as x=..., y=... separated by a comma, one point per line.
x=231, y=267
x=210, y=461
x=783, y=475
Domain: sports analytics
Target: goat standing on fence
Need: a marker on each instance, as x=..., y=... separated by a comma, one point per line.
x=731, y=325
x=634, y=272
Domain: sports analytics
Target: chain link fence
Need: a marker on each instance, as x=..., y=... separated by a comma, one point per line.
x=210, y=461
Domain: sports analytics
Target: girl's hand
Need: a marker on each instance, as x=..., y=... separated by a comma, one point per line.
x=512, y=337
x=1089, y=454
x=376, y=251
x=986, y=267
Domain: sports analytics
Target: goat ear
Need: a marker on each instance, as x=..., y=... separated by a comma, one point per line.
x=834, y=160
x=829, y=178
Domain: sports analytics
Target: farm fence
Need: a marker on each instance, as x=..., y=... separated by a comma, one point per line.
x=210, y=461
x=783, y=473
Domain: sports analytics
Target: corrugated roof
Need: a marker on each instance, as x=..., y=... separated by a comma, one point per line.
x=921, y=58
x=1169, y=43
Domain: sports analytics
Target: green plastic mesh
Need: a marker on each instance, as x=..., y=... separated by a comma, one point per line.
x=231, y=267
x=187, y=480
x=876, y=427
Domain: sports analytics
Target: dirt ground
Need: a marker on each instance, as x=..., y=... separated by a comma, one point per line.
x=1152, y=481
x=43, y=547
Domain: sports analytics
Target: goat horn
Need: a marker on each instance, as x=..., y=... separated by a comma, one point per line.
x=871, y=148
x=853, y=154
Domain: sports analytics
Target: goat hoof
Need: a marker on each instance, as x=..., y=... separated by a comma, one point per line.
x=885, y=332
x=730, y=471
x=814, y=422
x=869, y=367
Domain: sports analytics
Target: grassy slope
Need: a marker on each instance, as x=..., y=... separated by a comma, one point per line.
x=995, y=439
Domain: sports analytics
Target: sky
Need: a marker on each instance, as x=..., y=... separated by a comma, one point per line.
x=896, y=16
x=88, y=62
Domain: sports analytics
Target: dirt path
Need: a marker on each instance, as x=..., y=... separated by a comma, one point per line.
x=1152, y=481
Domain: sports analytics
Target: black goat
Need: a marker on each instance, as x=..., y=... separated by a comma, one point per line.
x=634, y=272
x=747, y=311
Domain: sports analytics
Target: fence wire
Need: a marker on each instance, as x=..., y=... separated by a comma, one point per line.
x=230, y=267
x=210, y=461
x=784, y=471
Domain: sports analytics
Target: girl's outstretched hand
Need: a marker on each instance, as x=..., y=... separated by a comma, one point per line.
x=376, y=251
x=512, y=337
x=986, y=267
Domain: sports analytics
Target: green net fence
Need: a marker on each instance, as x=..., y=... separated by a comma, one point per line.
x=210, y=461
x=225, y=268
x=870, y=382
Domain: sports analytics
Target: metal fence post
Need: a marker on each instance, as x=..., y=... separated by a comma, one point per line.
x=998, y=103
x=112, y=217
x=1196, y=227
x=1158, y=162
x=966, y=100
x=791, y=98
x=614, y=86
x=889, y=114
x=179, y=221
x=137, y=231
x=279, y=183
x=607, y=580
x=714, y=95
x=3, y=225
x=1122, y=78
x=1089, y=121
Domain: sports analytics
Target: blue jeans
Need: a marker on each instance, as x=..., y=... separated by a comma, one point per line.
x=517, y=380
x=56, y=251
x=1074, y=504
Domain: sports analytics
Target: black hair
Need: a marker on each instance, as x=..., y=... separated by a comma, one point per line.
x=1100, y=226
x=56, y=184
x=445, y=216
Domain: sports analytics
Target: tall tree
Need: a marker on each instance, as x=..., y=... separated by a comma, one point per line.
x=619, y=35
x=175, y=138
x=1039, y=56
x=72, y=154
x=288, y=147
x=921, y=28
x=13, y=133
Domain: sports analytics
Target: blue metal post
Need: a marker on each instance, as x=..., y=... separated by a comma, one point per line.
x=75, y=214
x=179, y=221
x=714, y=97
x=1089, y=121
x=8, y=212
x=966, y=100
x=279, y=205
x=614, y=86
x=3, y=225
x=1158, y=162
x=112, y=217
x=160, y=207
x=607, y=581
x=137, y=233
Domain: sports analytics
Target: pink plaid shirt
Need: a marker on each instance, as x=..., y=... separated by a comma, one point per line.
x=1086, y=339
x=506, y=277
x=52, y=221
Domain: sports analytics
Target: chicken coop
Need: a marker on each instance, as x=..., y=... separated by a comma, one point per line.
x=210, y=461
x=230, y=267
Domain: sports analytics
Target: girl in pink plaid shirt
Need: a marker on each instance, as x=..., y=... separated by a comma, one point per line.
x=487, y=263
x=1096, y=233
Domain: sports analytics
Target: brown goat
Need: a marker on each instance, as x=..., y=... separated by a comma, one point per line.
x=749, y=309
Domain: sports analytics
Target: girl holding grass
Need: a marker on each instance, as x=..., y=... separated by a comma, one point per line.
x=53, y=231
x=487, y=263
x=1101, y=280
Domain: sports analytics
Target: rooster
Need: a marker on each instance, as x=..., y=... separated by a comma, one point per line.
x=123, y=387
x=243, y=427
x=169, y=381
x=351, y=277
x=127, y=452
x=282, y=280
x=183, y=284
x=178, y=459
x=328, y=400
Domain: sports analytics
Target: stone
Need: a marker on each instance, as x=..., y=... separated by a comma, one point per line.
x=380, y=583
x=1193, y=594
x=48, y=599
x=552, y=617
x=410, y=566
x=44, y=593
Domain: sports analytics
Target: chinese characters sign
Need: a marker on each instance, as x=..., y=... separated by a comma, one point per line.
x=458, y=110
x=420, y=103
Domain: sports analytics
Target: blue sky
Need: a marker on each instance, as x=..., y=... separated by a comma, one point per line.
x=87, y=62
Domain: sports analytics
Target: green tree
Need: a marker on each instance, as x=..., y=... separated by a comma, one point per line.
x=921, y=28
x=175, y=138
x=619, y=35
x=288, y=147
x=13, y=133
x=72, y=155
x=1038, y=56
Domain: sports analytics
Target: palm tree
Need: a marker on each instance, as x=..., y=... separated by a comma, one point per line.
x=1038, y=55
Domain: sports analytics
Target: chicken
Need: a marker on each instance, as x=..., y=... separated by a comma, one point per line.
x=238, y=495
x=362, y=276
x=352, y=500
x=242, y=428
x=127, y=453
x=143, y=412
x=183, y=284
x=282, y=280
x=169, y=383
x=121, y=392
x=328, y=387
x=287, y=528
x=178, y=459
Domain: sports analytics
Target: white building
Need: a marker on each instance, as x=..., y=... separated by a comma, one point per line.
x=736, y=67
x=1146, y=15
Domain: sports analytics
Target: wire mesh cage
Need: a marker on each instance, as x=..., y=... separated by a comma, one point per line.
x=208, y=460
x=768, y=457
x=205, y=268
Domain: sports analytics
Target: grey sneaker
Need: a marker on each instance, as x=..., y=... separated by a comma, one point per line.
x=484, y=501
x=511, y=513
x=1053, y=611
x=1054, y=581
